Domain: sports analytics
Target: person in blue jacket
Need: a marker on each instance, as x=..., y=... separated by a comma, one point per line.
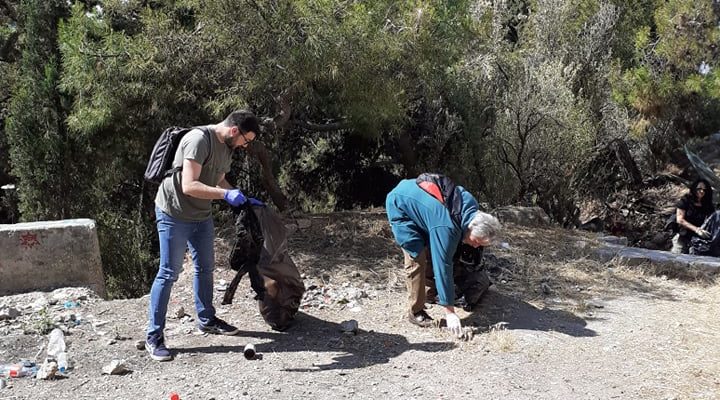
x=421, y=222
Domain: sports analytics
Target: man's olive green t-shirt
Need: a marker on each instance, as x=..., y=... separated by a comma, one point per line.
x=215, y=158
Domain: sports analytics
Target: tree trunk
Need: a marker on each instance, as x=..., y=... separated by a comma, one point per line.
x=260, y=152
x=408, y=158
x=632, y=173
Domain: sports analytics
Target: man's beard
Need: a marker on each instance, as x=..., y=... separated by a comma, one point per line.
x=229, y=142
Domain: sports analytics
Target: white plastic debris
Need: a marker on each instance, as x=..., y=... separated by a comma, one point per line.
x=116, y=367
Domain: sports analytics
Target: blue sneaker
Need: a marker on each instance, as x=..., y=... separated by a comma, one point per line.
x=218, y=327
x=155, y=346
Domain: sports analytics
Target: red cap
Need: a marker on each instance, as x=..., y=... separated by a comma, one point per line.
x=174, y=396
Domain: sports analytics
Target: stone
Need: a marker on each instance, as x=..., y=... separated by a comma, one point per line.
x=545, y=288
x=349, y=327
x=615, y=240
x=304, y=223
x=291, y=229
x=523, y=216
x=7, y=313
x=180, y=312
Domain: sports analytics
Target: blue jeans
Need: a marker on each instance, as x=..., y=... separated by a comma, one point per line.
x=175, y=237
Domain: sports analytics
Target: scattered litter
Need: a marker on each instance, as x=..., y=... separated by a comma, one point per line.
x=39, y=304
x=324, y=295
x=467, y=334
x=19, y=370
x=71, y=304
x=249, y=351
x=221, y=286
x=47, y=370
x=56, y=350
x=116, y=367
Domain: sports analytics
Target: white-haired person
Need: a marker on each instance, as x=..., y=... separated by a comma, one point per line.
x=430, y=213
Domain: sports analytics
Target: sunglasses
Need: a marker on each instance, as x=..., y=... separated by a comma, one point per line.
x=248, y=141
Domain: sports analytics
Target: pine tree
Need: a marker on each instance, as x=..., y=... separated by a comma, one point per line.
x=41, y=149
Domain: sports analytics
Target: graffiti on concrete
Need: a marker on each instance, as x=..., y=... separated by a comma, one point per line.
x=29, y=240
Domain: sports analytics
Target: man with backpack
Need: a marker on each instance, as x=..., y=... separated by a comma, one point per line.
x=200, y=159
x=432, y=214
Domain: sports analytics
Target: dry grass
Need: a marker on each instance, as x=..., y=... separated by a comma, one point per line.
x=498, y=339
x=543, y=266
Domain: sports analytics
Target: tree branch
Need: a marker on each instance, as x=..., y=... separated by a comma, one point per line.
x=12, y=14
x=329, y=127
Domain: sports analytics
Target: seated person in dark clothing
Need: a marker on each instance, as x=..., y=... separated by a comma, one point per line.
x=692, y=210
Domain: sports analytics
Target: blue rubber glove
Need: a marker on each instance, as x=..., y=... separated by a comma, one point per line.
x=255, y=202
x=235, y=197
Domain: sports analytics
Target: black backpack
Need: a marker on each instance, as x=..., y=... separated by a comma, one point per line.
x=160, y=163
x=444, y=190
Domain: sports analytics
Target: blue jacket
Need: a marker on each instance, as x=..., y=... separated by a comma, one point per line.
x=418, y=220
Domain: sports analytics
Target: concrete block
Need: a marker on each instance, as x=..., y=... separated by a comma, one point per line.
x=523, y=216
x=662, y=261
x=616, y=240
x=50, y=254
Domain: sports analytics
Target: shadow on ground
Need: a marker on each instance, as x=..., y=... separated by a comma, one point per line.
x=310, y=334
x=497, y=309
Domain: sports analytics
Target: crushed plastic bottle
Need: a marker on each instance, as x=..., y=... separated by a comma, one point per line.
x=56, y=349
x=71, y=304
x=18, y=370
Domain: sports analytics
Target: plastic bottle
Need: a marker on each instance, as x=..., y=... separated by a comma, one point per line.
x=56, y=349
x=62, y=362
x=56, y=343
x=18, y=370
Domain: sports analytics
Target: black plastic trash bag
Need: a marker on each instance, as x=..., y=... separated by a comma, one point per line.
x=469, y=275
x=261, y=251
x=711, y=246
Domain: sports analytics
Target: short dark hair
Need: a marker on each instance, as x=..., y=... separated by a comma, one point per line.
x=245, y=120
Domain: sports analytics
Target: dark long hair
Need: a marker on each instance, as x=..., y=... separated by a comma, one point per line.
x=706, y=202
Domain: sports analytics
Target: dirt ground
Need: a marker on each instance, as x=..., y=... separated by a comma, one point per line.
x=555, y=325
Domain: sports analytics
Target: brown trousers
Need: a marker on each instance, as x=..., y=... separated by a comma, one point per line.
x=415, y=280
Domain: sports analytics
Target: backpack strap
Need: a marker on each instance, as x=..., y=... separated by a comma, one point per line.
x=173, y=170
x=445, y=191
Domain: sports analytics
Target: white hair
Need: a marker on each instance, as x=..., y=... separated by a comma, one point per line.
x=484, y=225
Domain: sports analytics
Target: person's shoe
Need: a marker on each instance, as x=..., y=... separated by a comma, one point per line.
x=218, y=327
x=155, y=346
x=421, y=319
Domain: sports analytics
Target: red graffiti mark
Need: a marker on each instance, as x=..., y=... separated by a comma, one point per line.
x=29, y=240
